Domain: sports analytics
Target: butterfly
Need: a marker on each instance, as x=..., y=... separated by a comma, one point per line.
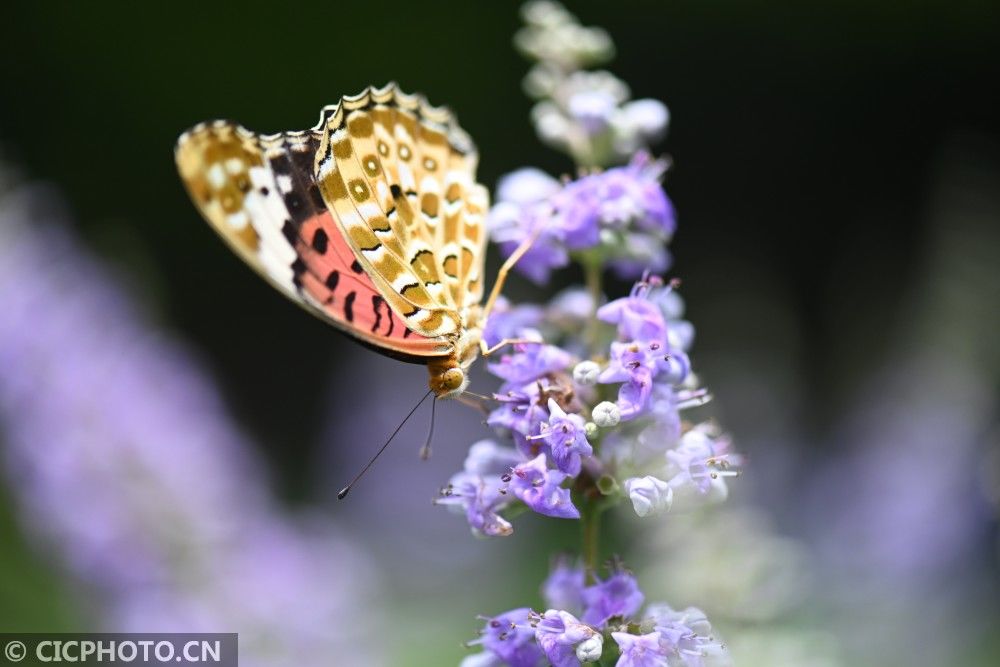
x=372, y=220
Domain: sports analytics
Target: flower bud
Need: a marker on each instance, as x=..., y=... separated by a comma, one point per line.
x=648, y=494
x=585, y=373
x=589, y=650
x=606, y=414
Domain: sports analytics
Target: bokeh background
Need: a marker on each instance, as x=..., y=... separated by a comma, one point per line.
x=837, y=176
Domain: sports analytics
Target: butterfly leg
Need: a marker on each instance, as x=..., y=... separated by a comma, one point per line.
x=474, y=401
x=486, y=350
x=506, y=268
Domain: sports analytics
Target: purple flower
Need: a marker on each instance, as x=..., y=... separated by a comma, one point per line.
x=699, y=466
x=640, y=650
x=578, y=214
x=636, y=317
x=530, y=361
x=522, y=210
x=633, y=396
x=616, y=200
x=635, y=362
x=618, y=595
x=558, y=633
x=538, y=488
x=640, y=181
x=563, y=589
x=564, y=434
x=478, y=489
x=526, y=186
x=522, y=412
x=623, y=211
x=511, y=638
x=486, y=457
x=507, y=321
x=686, y=636
x=481, y=498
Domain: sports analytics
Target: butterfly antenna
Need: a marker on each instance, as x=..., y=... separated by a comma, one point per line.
x=425, y=451
x=347, y=489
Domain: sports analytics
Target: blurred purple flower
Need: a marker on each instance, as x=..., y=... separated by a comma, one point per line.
x=623, y=211
x=640, y=650
x=563, y=589
x=522, y=209
x=508, y=321
x=122, y=460
x=618, y=595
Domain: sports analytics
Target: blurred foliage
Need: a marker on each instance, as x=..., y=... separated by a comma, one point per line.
x=33, y=599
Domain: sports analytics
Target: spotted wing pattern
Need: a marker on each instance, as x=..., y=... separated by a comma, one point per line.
x=399, y=177
x=259, y=194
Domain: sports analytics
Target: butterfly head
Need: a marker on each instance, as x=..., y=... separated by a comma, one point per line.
x=449, y=375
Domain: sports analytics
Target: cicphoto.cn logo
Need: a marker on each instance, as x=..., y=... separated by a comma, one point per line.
x=218, y=650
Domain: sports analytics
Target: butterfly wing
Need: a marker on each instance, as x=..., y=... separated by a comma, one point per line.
x=259, y=194
x=400, y=175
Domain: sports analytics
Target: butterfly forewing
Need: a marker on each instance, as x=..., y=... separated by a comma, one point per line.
x=400, y=175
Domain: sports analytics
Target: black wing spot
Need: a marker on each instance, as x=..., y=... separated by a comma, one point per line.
x=396, y=191
x=289, y=232
x=377, y=301
x=349, y=306
x=264, y=191
x=356, y=267
x=332, y=280
x=320, y=241
x=298, y=268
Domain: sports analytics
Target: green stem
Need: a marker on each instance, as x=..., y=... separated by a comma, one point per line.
x=590, y=514
x=590, y=520
x=593, y=273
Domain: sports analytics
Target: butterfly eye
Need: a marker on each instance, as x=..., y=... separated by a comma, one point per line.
x=452, y=379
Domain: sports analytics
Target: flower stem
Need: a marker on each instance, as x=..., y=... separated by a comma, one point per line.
x=593, y=273
x=590, y=520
